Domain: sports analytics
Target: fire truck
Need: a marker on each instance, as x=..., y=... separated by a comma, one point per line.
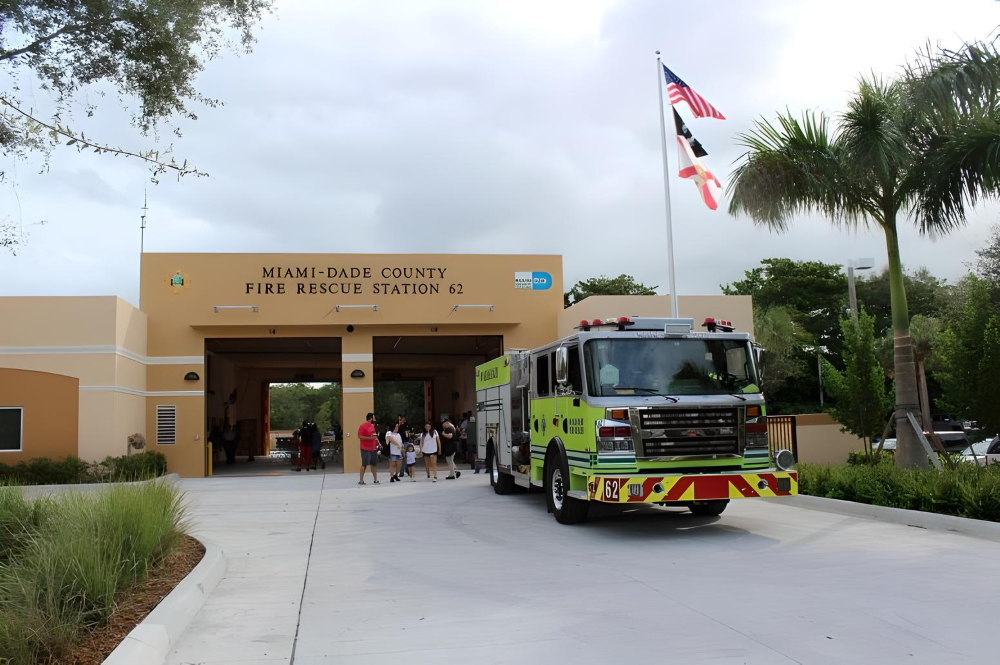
x=631, y=411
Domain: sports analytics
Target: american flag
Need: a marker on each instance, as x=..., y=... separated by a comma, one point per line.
x=679, y=91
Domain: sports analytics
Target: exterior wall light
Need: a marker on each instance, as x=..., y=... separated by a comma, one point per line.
x=357, y=374
x=457, y=307
x=373, y=308
x=191, y=376
x=221, y=307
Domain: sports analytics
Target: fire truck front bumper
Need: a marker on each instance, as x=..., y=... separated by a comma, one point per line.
x=695, y=487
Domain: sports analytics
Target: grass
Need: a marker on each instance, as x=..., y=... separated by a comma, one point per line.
x=65, y=561
x=968, y=490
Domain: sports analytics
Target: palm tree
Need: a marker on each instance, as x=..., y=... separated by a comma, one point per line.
x=925, y=146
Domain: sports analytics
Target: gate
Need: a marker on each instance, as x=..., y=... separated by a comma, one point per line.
x=781, y=435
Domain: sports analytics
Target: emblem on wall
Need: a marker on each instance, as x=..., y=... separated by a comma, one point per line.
x=177, y=281
x=534, y=281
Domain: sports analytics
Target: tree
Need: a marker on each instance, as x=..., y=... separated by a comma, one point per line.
x=151, y=50
x=968, y=358
x=294, y=403
x=926, y=295
x=782, y=340
x=926, y=145
x=861, y=401
x=399, y=397
x=326, y=416
x=622, y=285
x=816, y=292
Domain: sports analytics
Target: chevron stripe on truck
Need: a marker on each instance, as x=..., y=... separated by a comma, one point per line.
x=701, y=487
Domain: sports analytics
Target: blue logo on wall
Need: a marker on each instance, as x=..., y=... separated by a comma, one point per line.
x=536, y=281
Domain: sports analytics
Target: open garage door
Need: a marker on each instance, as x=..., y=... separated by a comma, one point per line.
x=240, y=372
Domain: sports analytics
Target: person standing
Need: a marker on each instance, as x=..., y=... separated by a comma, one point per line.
x=449, y=444
x=404, y=433
x=368, y=441
x=316, y=440
x=411, y=461
x=305, y=451
x=395, y=442
x=463, y=439
x=430, y=446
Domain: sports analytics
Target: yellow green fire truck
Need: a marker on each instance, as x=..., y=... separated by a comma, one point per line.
x=631, y=411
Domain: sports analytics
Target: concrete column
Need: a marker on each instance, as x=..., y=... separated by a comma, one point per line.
x=358, y=394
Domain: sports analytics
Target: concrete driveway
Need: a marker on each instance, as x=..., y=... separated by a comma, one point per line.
x=322, y=571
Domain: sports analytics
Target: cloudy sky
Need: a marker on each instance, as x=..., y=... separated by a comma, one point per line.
x=484, y=127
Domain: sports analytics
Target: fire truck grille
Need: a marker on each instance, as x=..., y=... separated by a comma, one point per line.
x=668, y=432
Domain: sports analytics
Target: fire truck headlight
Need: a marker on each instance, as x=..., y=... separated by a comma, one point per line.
x=784, y=459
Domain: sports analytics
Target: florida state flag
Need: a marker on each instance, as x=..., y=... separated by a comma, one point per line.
x=689, y=149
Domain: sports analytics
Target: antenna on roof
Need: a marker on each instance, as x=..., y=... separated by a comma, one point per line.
x=142, y=223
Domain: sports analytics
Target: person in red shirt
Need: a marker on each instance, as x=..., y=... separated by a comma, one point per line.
x=369, y=445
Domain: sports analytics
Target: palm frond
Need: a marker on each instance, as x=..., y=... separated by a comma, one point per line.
x=791, y=168
x=957, y=168
x=948, y=83
x=872, y=136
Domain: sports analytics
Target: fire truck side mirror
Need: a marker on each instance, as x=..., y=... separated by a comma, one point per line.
x=562, y=365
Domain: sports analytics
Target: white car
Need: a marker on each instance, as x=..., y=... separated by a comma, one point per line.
x=983, y=453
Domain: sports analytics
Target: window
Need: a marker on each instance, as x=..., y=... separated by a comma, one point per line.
x=575, y=374
x=542, y=376
x=695, y=366
x=11, y=430
x=166, y=425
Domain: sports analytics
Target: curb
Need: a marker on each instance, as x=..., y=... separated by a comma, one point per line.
x=36, y=491
x=150, y=641
x=915, y=518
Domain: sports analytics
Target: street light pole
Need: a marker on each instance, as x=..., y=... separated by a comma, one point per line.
x=852, y=294
x=861, y=264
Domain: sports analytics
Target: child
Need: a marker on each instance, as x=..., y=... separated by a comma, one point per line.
x=411, y=460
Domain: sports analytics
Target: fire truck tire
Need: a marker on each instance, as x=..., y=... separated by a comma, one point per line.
x=566, y=509
x=502, y=483
x=708, y=507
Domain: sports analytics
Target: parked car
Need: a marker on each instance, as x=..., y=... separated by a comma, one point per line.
x=983, y=453
x=953, y=442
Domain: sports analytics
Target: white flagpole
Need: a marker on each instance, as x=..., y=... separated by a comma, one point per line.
x=666, y=194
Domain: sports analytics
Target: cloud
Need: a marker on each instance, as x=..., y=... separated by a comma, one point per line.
x=447, y=126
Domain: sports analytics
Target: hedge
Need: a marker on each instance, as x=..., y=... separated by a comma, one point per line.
x=968, y=490
x=73, y=470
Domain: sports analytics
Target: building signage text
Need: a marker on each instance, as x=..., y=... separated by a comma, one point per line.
x=313, y=280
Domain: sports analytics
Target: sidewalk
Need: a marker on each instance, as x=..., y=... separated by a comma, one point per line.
x=265, y=526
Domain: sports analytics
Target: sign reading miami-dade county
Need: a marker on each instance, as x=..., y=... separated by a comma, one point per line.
x=535, y=281
x=322, y=280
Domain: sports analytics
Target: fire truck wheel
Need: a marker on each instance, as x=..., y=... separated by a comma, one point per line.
x=502, y=483
x=708, y=507
x=566, y=509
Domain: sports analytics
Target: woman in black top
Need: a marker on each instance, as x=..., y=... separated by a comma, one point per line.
x=449, y=444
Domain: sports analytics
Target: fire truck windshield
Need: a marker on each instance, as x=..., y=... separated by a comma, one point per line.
x=632, y=366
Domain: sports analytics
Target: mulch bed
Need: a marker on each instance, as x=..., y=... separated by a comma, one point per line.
x=139, y=602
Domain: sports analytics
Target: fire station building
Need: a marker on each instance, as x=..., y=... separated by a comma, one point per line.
x=79, y=375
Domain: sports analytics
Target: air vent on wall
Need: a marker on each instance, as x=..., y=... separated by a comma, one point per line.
x=166, y=425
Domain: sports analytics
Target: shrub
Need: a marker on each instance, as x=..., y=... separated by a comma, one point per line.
x=87, y=551
x=968, y=490
x=73, y=470
x=137, y=467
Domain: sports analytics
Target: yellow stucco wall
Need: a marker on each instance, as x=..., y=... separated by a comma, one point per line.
x=49, y=404
x=101, y=341
x=820, y=440
x=181, y=317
